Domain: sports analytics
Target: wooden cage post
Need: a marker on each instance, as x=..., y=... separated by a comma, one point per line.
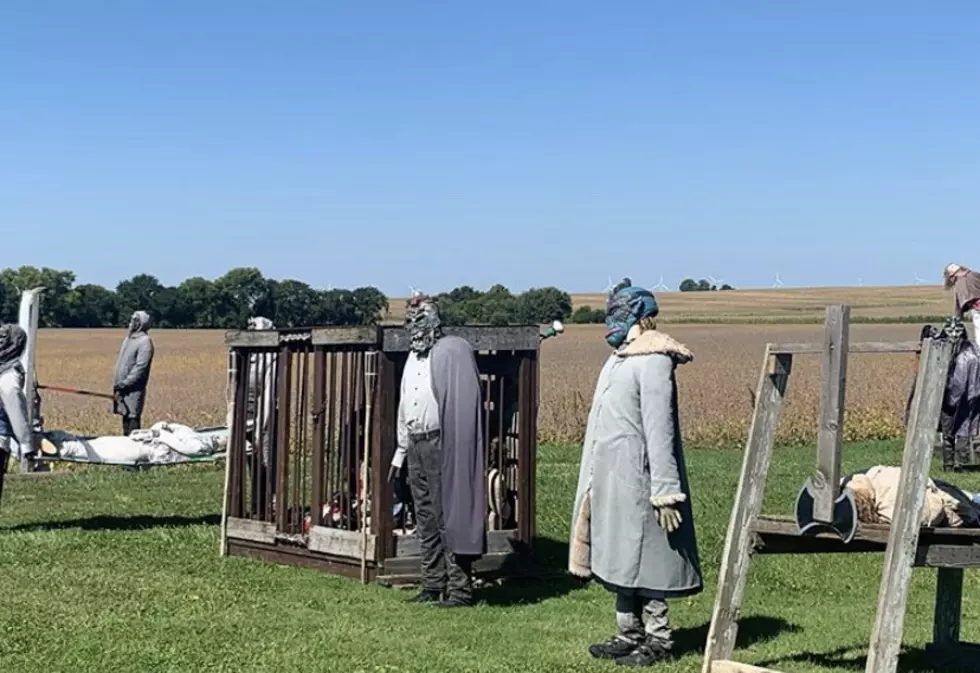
x=748, y=504
x=833, y=368
x=903, y=536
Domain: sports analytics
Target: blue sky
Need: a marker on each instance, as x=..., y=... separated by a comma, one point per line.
x=439, y=143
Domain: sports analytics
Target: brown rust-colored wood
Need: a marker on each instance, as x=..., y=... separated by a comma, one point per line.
x=385, y=411
x=481, y=338
x=886, y=635
x=883, y=347
x=283, y=416
x=318, y=458
x=748, y=503
x=949, y=606
x=833, y=372
x=299, y=556
x=526, y=450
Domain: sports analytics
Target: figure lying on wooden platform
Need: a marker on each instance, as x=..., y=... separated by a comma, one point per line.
x=876, y=492
x=164, y=443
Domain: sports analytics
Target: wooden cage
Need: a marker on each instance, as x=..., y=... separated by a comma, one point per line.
x=313, y=412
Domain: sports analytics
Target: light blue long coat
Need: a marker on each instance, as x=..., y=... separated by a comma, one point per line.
x=633, y=453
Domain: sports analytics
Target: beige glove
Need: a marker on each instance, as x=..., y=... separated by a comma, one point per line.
x=668, y=515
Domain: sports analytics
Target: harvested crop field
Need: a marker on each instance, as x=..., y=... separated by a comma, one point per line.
x=188, y=380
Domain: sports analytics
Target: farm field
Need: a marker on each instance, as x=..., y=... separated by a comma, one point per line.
x=108, y=570
x=794, y=305
x=188, y=380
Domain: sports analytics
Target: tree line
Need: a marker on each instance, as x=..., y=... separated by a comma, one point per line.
x=228, y=301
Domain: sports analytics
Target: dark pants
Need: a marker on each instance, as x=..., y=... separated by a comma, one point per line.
x=442, y=571
x=130, y=423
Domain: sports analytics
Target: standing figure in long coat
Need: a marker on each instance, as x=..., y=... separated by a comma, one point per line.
x=132, y=374
x=440, y=435
x=632, y=525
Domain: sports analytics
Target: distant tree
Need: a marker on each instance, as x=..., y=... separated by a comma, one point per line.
x=726, y=286
x=57, y=284
x=90, y=306
x=688, y=285
x=139, y=293
x=704, y=286
x=541, y=305
x=587, y=315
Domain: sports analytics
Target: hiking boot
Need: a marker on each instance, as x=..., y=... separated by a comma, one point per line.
x=614, y=648
x=647, y=653
x=426, y=596
x=455, y=602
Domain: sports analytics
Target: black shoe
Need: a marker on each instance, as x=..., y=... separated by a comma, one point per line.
x=648, y=653
x=614, y=648
x=455, y=602
x=426, y=596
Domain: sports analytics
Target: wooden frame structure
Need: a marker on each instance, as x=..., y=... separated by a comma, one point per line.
x=313, y=411
x=905, y=545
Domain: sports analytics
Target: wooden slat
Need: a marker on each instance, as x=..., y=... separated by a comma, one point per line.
x=498, y=542
x=748, y=504
x=340, y=543
x=870, y=532
x=516, y=338
x=727, y=666
x=833, y=373
x=241, y=338
x=859, y=347
x=247, y=529
x=949, y=606
x=298, y=556
x=362, y=335
x=886, y=635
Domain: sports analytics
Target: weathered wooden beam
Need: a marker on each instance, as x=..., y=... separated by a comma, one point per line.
x=340, y=543
x=241, y=338
x=884, y=347
x=903, y=538
x=363, y=335
x=513, y=338
x=748, y=503
x=833, y=375
x=949, y=606
x=725, y=666
x=247, y=529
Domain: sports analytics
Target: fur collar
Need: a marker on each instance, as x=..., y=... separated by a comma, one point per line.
x=653, y=342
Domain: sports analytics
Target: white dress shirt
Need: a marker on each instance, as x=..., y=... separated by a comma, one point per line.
x=417, y=410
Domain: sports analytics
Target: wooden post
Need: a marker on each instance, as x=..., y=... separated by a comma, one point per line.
x=903, y=536
x=949, y=607
x=230, y=393
x=748, y=504
x=833, y=372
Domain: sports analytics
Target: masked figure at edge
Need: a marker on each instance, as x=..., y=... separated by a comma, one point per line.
x=632, y=527
x=13, y=403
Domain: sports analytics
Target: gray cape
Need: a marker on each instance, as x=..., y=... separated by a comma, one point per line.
x=133, y=374
x=456, y=387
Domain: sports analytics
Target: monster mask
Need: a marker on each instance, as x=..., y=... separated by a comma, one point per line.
x=626, y=305
x=423, y=323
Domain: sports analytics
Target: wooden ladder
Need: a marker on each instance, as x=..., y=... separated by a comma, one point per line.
x=749, y=533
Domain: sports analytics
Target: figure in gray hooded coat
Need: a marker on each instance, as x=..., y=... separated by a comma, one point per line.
x=133, y=372
x=632, y=526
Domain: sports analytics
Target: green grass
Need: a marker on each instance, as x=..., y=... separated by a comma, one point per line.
x=107, y=570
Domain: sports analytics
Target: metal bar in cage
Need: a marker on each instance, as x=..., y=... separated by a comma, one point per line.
x=319, y=436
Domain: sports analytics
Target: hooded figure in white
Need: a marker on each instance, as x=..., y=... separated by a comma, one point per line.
x=261, y=421
x=632, y=526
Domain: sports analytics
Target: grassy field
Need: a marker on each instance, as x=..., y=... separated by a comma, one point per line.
x=113, y=571
x=188, y=379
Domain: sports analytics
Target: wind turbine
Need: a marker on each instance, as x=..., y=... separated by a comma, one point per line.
x=660, y=287
x=918, y=281
x=715, y=281
x=779, y=282
x=860, y=282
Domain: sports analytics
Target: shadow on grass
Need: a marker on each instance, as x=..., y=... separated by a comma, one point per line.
x=119, y=523
x=751, y=631
x=855, y=659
